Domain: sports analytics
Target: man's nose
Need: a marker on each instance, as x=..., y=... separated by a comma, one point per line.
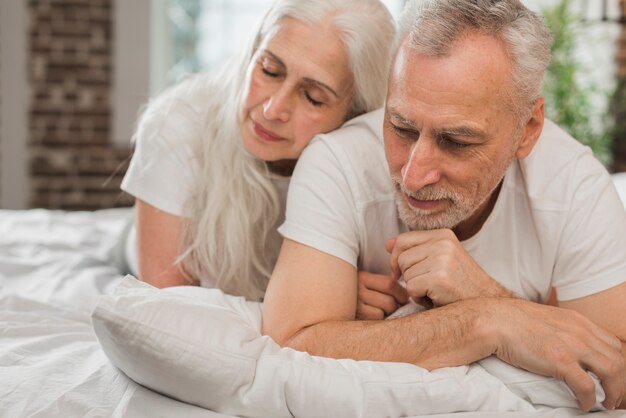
x=421, y=168
x=278, y=105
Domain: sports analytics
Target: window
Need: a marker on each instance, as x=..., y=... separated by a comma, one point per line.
x=197, y=35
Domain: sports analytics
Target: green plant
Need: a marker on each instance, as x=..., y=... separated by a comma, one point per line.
x=567, y=102
x=618, y=107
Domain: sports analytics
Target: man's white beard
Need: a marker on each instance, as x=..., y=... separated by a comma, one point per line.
x=459, y=208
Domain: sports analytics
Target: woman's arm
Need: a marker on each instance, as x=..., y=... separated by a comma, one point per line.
x=158, y=246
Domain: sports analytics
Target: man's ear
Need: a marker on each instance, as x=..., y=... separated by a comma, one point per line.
x=531, y=131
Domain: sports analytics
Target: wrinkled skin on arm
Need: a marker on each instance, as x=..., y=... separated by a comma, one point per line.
x=607, y=310
x=537, y=338
x=588, y=337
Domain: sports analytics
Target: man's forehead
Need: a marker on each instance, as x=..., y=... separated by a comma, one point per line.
x=467, y=77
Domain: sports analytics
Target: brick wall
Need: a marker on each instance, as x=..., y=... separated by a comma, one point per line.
x=620, y=100
x=74, y=164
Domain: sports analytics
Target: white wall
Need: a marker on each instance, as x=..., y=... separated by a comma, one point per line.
x=13, y=106
x=131, y=65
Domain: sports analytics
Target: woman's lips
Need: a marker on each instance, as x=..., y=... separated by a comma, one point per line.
x=265, y=134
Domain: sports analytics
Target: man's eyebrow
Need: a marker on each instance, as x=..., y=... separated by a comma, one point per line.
x=459, y=131
x=401, y=120
x=466, y=131
x=307, y=80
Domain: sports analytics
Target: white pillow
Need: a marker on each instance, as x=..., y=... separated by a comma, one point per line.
x=203, y=347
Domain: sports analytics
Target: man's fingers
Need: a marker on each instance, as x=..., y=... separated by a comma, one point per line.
x=606, y=360
x=413, y=260
x=606, y=337
x=400, y=294
x=610, y=372
x=583, y=387
x=404, y=257
x=390, y=244
x=410, y=241
x=425, y=301
x=402, y=243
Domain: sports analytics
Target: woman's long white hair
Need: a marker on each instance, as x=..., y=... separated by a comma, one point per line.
x=234, y=207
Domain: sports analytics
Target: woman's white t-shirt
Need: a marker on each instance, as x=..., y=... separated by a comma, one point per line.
x=163, y=167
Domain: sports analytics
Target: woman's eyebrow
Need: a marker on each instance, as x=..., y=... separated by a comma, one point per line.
x=274, y=58
x=306, y=80
x=321, y=85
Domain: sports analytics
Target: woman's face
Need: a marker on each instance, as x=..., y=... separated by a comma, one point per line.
x=300, y=84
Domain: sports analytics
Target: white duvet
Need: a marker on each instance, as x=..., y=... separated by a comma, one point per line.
x=53, y=268
x=209, y=346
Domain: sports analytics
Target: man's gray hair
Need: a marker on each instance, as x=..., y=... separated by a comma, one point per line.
x=432, y=26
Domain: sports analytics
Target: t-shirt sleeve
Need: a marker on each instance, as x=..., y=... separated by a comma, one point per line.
x=592, y=250
x=321, y=210
x=162, y=168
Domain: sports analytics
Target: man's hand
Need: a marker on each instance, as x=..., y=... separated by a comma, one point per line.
x=379, y=295
x=560, y=343
x=434, y=264
x=546, y=340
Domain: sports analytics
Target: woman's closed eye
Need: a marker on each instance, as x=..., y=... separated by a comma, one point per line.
x=269, y=68
x=270, y=72
x=313, y=101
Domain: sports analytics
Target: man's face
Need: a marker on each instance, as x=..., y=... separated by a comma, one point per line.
x=449, y=134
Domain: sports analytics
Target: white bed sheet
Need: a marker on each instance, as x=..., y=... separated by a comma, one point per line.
x=53, y=267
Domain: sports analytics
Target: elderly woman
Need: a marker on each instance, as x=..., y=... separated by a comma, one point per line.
x=214, y=153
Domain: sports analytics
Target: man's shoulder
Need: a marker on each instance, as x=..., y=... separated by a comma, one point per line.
x=363, y=132
x=356, y=153
x=557, y=167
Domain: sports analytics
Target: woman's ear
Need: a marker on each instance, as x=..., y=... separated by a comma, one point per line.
x=531, y=131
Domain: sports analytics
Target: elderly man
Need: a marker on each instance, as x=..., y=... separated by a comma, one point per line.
x=487, y=208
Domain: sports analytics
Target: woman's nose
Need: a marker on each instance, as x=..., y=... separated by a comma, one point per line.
x=278, y=106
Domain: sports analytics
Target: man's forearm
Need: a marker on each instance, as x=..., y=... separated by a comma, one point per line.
x=452, y=335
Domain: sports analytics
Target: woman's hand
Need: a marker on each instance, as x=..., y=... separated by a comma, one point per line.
x=379, y=296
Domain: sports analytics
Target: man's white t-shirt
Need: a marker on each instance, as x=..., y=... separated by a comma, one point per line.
x=558, y=221
x=163, y=167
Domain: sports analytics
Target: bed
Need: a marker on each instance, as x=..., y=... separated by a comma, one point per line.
x=56, y=273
